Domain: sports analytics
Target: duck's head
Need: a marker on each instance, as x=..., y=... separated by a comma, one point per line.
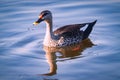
x=44, y=16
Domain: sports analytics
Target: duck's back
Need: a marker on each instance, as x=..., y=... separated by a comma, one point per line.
x=69, y=30
x=69, y=34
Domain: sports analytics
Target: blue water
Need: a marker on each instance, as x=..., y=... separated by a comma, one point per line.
x=23, y=57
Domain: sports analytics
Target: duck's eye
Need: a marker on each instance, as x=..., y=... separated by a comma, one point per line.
x=45, y=14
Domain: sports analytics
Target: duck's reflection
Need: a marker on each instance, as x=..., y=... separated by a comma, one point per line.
x=66, y=52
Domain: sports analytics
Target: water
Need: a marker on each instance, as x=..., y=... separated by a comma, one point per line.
x=23, y=57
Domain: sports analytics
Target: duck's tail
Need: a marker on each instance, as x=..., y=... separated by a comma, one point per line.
x=88, y=30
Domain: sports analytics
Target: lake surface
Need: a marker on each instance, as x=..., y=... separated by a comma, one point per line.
x=23, y=57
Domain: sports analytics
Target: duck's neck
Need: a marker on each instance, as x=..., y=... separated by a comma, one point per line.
x=49, y=33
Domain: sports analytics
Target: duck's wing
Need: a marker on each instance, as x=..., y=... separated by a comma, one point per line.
x=68, y=29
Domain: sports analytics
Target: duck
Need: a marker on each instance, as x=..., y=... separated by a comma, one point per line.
x=63, y=36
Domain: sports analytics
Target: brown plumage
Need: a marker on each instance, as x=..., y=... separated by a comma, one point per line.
x=69, y=28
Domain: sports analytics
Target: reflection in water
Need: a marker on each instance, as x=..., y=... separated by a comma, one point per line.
x=66, y=52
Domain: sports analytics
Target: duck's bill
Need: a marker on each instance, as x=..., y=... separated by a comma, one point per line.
x=38, y=21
